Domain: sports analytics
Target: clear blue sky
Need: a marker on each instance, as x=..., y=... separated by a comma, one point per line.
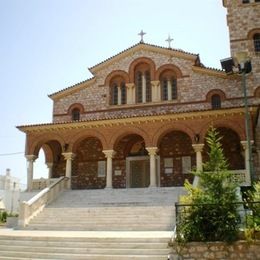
x=47, y=45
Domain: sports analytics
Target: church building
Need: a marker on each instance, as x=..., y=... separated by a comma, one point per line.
x=142, y=119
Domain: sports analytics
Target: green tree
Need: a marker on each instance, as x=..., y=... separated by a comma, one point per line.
x=254, y=196
x=212, y=214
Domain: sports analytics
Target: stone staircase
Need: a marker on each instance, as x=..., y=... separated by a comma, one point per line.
x=110, y=210
x=98, y=224
x=75, y=245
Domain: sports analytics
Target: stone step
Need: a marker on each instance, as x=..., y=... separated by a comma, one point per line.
x=86, y=237
x=70, y=244
x=79, y=250
x=101, y=227
x=18, y=256
x=85, y=245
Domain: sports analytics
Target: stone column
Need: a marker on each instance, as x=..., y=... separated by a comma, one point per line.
x=119, y=95
x=49, y=166
x=143, y=88
x=247, y=162
x=156, y=93
x=30, y=161
x=198, y=149
x=169, y=89
x=130, y=87
x=68, y=157
x=109, y=155
x=152, y=152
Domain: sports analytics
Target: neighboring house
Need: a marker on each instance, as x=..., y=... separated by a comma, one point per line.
x=141, y=120
x=9, y=192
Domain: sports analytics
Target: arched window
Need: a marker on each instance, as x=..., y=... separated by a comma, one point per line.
x=139, y=87
x=143, y=83
x=174, y=88
x=117, y=91
x=215, y=101
x=75, y=114
x=123, y=93
x=114, y=94
x=256, y=39
x=168, y=83
x=148, y=86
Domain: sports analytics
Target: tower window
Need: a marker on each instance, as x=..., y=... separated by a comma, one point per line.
x=215, y=101
x=245, y=1
x=75, y=114
x=256, y=39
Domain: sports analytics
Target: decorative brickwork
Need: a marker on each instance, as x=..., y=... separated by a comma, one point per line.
x=173, y=147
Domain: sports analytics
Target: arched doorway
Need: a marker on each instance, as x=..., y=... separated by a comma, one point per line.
x=131, y=163
x=177, y=158
x=89, y=165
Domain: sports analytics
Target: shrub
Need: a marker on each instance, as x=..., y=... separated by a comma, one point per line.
x=212, y=214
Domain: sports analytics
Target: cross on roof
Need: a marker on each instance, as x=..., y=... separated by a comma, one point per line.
x=169, y=40
x=142, y=33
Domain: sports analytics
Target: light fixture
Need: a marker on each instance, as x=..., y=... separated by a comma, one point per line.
x=227, y=65
x=243, y=62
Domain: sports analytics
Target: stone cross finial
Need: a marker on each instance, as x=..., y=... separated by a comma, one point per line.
x=169, y=40
x=142, y=33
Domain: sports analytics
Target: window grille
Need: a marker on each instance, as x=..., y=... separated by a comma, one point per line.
x=174, y=89
x=257, y=42
x=114, y=94
x=148, y=86
x=75, y=115
x=123, y=93
x=215, y=102
x=139, y=91
x=164, y=89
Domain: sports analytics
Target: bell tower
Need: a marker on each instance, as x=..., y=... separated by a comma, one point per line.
x=243, y=20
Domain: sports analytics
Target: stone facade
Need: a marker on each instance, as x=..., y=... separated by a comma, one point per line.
x=219, y=250
x=142, y=119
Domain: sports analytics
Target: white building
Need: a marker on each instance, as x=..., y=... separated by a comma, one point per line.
x=10, y=191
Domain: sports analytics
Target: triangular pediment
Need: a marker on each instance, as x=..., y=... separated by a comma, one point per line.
x=144, y=47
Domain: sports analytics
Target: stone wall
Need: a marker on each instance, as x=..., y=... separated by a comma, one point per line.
x=219, y=250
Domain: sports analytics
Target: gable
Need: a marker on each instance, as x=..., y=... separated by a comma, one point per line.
x=123, y=60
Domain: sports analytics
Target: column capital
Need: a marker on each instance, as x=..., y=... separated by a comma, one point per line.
x=151, y=150
x=130, y=85
x=198, y=147
x=155, y=82
x=69, y=156
x=245, y=144
x=31, y=157
x=109, y=153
